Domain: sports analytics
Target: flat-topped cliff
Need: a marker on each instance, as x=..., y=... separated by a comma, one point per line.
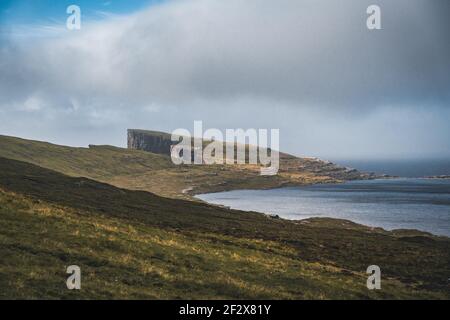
x=151, y=141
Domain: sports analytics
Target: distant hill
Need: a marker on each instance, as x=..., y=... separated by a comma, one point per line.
x=137, y=245
x=154, y=172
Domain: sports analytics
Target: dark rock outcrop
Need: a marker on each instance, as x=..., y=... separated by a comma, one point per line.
x=151, y=141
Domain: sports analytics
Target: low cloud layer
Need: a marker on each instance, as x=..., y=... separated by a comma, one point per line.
x=295, y=65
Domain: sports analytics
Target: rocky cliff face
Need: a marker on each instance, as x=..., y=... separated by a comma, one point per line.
x=151, y=141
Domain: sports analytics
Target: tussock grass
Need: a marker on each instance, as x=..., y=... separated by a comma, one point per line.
x=127, y=260
x=133, y=244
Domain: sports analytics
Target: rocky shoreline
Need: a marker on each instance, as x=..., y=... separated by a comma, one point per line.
x=438, y=177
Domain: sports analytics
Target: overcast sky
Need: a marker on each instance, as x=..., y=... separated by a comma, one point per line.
x=310, y=68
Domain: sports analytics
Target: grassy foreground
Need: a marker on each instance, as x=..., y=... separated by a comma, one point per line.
x=134, y=244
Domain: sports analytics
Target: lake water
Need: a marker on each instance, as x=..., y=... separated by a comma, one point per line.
x=422, y=204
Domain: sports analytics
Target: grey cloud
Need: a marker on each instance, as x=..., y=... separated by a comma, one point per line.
x=301, y=52
x=214, y=55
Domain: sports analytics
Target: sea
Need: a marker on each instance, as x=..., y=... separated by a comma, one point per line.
x=408, y=202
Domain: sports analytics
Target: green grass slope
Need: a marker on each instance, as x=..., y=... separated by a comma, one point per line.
x=140, y=170
x=134, y=244
x=96, y=161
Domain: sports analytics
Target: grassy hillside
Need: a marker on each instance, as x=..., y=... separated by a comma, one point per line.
x=139, y=170
x=96, y=161
x=133, y=244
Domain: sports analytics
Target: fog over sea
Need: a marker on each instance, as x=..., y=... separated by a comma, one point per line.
x=401, y=203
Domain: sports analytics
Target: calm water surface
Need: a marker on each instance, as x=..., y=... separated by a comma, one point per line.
x=422, y=204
